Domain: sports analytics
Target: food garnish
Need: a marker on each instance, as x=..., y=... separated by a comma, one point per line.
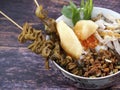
x=69, y=40
x=90, y=42
x=85, y=28
x=75, y=13
x=86, y=9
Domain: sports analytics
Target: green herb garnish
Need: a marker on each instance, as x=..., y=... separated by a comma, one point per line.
x=77, y=13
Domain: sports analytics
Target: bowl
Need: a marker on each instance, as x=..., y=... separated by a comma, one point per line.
x=85, y=82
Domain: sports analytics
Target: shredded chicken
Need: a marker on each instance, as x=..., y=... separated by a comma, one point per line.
x=108, y=32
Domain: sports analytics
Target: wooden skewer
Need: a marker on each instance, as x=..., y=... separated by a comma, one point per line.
x=11, y=20
x=36, y=3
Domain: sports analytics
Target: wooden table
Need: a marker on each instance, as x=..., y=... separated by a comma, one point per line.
x=20, y=69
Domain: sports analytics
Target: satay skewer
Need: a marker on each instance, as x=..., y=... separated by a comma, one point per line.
x=11, y=20
x=46, y=61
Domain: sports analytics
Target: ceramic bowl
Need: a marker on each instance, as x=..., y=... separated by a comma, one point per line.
x=91, y=83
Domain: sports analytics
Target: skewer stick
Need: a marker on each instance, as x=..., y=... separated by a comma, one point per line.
x=36, y=3
x=11, y=20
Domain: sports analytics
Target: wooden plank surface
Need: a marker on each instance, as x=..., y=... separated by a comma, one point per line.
x=20, y=69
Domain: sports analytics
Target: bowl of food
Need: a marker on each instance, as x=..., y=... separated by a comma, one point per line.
x=84, y=43
x=99, y=67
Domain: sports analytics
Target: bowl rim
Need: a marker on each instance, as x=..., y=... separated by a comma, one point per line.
x=81, y=77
